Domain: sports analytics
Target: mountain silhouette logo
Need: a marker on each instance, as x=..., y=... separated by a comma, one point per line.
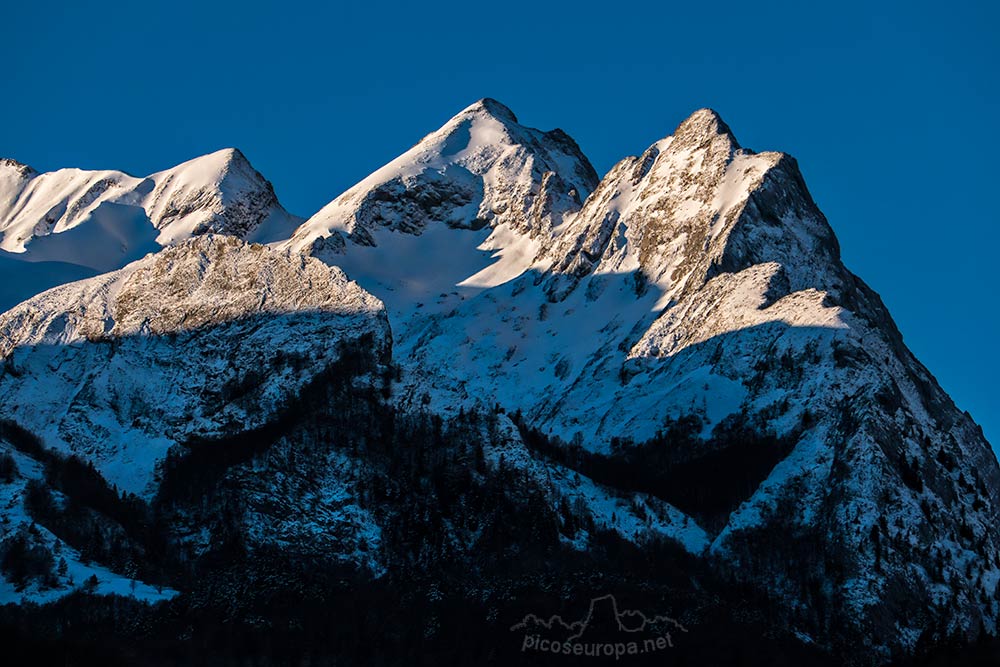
x=605, y=630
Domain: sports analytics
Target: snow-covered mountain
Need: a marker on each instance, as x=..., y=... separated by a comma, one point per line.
x=71, y=223
x=512, y=186
x=674, y=353
x=696, y=280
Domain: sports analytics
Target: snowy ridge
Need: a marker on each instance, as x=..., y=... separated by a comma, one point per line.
x=101, y=220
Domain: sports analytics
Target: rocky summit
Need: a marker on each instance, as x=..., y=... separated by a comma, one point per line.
x=481, y=379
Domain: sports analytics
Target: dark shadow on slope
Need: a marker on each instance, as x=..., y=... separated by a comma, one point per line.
x=466, y=543
x=120, y=530
x=265, y=355
x=20, y=280
x=470, y=549
x=109, y=238
x=196, y=466
x=706, y=479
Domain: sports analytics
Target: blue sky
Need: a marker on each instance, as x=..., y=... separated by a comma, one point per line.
x=890, y=111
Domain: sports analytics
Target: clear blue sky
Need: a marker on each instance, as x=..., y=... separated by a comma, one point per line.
x=891, y=112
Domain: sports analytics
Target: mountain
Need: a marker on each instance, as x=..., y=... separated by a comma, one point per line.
x=482, y=168
x=511, y=186
x=72, y=223
x=695, y=205
x=699, y=285
x=664, y=381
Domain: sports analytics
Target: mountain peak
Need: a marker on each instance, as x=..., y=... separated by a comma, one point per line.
x=695, y=205
x=482, y=168
x=220, y=192
x=703, y=126
x=216, y=165
x=230, y=155
x=491, y=107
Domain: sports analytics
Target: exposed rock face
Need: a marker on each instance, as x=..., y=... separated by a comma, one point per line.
x=208, y=338
x=695, y=205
